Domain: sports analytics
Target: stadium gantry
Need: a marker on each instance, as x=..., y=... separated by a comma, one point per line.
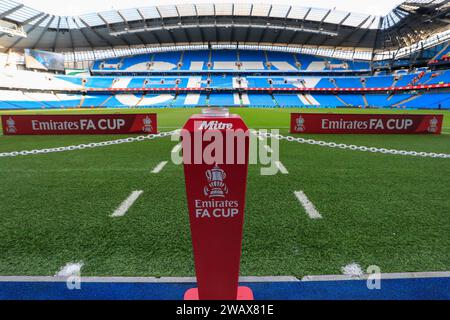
x=230, y=55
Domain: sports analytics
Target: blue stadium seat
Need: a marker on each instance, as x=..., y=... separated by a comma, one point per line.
x=350, y=82
x=353, y=99
x=288, y=100
x=379, y=81
x=261, y=100
x=221, y=99
x=195, y=56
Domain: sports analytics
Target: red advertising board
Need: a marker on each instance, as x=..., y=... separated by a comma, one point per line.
x=215, y=187
x=79, y=124
x=366, y=123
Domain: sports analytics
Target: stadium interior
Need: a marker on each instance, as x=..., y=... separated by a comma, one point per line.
x=351, y=109
x=355, y=64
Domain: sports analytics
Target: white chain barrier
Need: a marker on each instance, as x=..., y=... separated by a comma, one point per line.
x=89, y=145
x=352, y=147
x=263, y=134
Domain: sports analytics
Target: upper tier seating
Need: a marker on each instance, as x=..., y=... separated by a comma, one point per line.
x=195, y=60
x=41, y=81
x=225, y=60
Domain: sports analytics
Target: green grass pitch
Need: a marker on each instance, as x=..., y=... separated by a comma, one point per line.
x=386, y=210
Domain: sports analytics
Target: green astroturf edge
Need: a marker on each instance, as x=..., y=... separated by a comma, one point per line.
x=383, y=210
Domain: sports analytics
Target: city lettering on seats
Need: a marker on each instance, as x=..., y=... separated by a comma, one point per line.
x=215, y=125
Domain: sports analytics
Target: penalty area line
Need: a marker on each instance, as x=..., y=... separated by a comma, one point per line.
x=159, y=167
x=307, y=205
x=127, y=203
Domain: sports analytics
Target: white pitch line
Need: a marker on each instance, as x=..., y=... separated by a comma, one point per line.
x=176, y=148
x=307, y=205
x=70, y=269
x=159, y=167
x=127, y=203
x=280, y=167
x=353, y=270
x=337, y=277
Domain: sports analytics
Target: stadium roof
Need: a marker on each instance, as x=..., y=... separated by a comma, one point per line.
x=260, y=23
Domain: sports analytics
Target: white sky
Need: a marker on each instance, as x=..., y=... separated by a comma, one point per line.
x=71, y=7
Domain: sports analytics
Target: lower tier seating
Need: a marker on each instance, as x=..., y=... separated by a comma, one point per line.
x=16, y=99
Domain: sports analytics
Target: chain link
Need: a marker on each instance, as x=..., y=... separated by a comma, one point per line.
x=263, y=134
x=266, y=134
x=89, y=145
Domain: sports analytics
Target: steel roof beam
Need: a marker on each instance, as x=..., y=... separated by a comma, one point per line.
x=84, y=35
x=36, y=43
x=343, y=20
x=353, y=31
x=26, y=21
x=285, y=23
x=124, y=40
x=31, y=19
x=324, y=17
x=70, y=34
x=198, y=24
x=304, y=18
x=56, y=34
x=31, y=30
x=263, y=34
x=6, y=13
x=247, y=31
x=128, y=26
x=164, y=24
x=144, y=22
x=215, y=23
x=96, y=32
x=186, y=34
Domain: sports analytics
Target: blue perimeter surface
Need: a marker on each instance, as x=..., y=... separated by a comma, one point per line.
x=392, y=289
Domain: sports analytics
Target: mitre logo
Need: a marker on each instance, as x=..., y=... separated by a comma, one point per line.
x=300, y=124
x=11, y=126
x=433, y=125
x=215, y=188
x=215, y=125
x=147, y=124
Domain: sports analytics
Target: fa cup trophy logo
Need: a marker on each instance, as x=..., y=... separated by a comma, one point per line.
x=300, y=125
x=147, y=124
x=432, y=128
x=11, y=126
x=216, y=187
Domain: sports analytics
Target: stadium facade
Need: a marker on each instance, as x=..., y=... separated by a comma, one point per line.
x=226, y=55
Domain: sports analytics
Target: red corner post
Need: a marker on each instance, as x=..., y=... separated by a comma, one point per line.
x=215, y=156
